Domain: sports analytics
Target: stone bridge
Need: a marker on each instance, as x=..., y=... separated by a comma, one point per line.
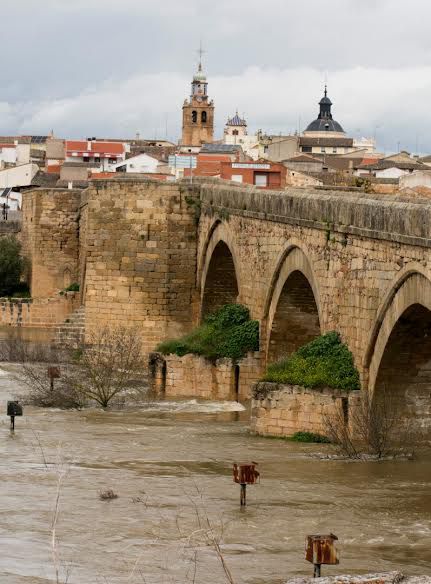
x=305, y=262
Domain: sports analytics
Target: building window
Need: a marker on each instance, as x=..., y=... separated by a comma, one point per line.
x=306, y=149
x=261, y=179
x=112, y=161
x=194, y=116
x=323, y=150
x=204, y=117
x=334, y=151
x=86, y=159
x=237, y=178
x=234, y=132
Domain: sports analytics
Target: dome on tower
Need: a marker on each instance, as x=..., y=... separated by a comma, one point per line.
x=200, y=76
x=324, y=121
x=324, y=125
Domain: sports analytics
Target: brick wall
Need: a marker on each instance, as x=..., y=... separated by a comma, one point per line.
x=37, y=313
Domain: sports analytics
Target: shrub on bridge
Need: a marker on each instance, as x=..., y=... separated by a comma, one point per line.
x=325, y=362
x=228, y=332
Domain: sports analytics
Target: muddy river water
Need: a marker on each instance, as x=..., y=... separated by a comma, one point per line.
x=170, y=465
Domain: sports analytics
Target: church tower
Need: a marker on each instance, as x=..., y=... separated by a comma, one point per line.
x=198, y=112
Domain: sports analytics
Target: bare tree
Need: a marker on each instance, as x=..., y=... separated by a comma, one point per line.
x=109, y=364
x=375, y=427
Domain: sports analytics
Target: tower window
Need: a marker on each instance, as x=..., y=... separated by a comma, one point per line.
x=204, y=117
x=194, y=116
x=235, y=132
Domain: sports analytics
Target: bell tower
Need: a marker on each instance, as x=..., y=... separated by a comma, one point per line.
x=198, y=111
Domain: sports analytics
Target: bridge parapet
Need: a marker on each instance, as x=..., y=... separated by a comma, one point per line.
x=392, y=218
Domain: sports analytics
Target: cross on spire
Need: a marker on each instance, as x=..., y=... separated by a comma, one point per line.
x=200, y=52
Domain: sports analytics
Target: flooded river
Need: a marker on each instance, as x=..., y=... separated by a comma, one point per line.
x=170, y=465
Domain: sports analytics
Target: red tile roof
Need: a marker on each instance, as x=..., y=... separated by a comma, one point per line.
x=114, y=148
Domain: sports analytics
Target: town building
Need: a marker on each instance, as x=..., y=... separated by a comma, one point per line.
x=103, y=155
x=391, y=167
x=141, y=163
x=235, y=132
x=198, y=113
x=18, y=176
x=278, y=148
x=262, y=174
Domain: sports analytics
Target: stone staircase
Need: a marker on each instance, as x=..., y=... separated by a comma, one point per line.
x=71, y=333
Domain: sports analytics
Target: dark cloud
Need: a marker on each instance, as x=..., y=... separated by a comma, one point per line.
x=114, y=68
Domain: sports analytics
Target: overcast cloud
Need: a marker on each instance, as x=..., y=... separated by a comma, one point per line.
x=114, y=68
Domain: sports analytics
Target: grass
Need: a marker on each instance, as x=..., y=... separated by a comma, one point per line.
x=229, y=332
x=325, y=362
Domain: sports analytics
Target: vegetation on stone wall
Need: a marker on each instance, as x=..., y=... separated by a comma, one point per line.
x=74, y=287
x=228, y=332
x=325, y=362
x=12, y=266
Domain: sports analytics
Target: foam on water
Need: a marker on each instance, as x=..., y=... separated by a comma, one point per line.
x=193, y=406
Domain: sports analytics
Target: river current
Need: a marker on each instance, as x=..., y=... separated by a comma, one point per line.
x=177, y=517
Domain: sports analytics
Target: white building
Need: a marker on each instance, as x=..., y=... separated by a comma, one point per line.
x=105, y=155
x=419, y=178
x=367, y=144
x=235, y=133
x=11, y=199
x=14, y=153
x=141, y=163
x=18, y=176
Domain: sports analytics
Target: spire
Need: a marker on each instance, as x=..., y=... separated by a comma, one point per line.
x=325, y=106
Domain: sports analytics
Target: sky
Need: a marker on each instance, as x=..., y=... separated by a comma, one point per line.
x=112, y=68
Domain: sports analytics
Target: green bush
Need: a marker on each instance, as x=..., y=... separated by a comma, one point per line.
x=11, y=265
x=21, y=291
x=325, y=362
x=309, y=437
x=229, y=332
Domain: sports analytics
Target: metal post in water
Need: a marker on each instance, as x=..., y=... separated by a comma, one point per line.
x=12, y=423
x=243, y=497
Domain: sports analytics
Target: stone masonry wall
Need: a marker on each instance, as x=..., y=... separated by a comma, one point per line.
x=37, y=313
x=282, y=410
x=141, y=258
x=50, y=239
x=195, y=376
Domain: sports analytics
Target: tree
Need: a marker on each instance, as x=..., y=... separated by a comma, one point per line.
x=109, y=364
x=11, y=265
x=377, y=428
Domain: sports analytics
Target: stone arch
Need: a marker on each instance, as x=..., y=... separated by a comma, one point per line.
x=399, y=354
x=292, y=307
x=219, y=274
x=412, y=287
